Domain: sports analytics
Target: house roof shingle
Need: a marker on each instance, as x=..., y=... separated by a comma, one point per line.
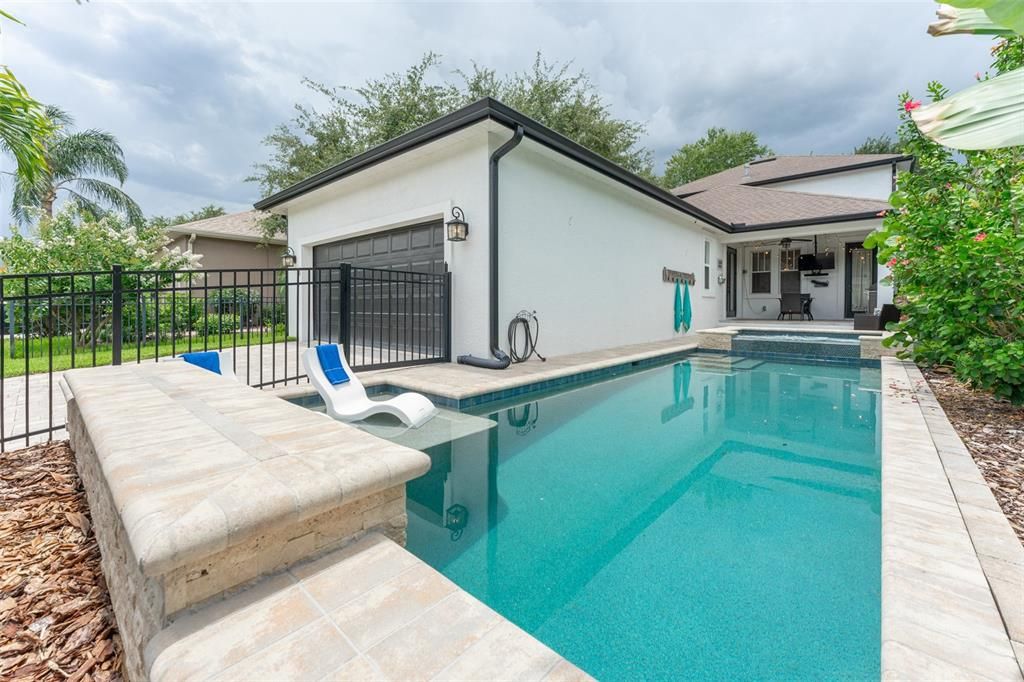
x=243, y=226
x=779, y=168
x=746, y=207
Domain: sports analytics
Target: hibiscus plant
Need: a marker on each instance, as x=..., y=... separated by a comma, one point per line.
x=954, y=243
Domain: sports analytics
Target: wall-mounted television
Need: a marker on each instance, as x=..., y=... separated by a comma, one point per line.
x=815, y=262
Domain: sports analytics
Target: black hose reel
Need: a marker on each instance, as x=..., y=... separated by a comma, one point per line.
x=526, y=324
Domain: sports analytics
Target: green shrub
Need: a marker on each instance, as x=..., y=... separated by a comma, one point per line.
x=217, y=324
x=993, y=365
x=955, y=248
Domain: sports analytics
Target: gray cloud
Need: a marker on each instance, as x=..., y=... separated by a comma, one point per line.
x=190, y=89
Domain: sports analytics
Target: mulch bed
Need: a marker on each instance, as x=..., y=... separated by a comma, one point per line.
x=55, y=617
x=993, y=431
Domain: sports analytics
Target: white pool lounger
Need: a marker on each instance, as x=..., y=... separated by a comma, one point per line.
x=348, y=402
x=225, y=360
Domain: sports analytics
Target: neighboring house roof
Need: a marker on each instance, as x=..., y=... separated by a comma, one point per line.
x=242, y=226
x=756, y=208
x=486, y=109
x=782, y=168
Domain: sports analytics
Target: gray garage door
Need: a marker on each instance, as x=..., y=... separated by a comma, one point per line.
x=419, y=248
x=394, y=317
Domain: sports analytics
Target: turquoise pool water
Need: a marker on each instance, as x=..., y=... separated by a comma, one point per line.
x=714, y=519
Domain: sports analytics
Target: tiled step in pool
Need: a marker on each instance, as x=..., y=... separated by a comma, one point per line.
x=722, y=364
x=816, y=345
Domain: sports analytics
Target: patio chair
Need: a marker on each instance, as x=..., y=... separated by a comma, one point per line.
x=222, y=360
x=890, y=313
x=346, y=399
x=791, y=304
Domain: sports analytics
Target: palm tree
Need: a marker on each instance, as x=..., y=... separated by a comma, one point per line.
x=23, y=125
x=70, y=156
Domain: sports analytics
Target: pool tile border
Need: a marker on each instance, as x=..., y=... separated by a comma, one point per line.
x=540, y=385
x=942, y=613
x=798, y=357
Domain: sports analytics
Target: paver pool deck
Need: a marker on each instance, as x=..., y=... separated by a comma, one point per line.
x=952, y=570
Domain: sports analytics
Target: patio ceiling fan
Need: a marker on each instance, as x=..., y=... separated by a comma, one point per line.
x=786, y=242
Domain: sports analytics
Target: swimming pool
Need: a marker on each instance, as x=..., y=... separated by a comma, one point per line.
x=713, y=518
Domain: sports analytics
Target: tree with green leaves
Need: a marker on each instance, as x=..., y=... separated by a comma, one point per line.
x=361, y=117
x=23, y=123
x=718, y=150
x=208, y=211
x=567, y=102
x=75, y=240
x=883, y=144
x=71, y=157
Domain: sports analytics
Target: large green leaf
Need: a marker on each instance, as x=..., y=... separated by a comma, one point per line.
x=23, y=127
x=984, y=116
x=955, y=20
x=1008, y=13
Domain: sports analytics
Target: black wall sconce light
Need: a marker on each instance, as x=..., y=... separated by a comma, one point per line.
x=457, y=227
x=288, y=258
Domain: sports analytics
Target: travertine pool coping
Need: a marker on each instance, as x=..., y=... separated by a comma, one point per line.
x=184, y=452
x=952, y=568
x=459, y=386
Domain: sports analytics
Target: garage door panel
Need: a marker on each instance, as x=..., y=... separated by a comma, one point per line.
x=419, y=248
x=389, y=318
x=399, y=242
x=422, y=238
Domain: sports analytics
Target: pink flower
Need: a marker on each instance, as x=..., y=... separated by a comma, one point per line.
x=892, y=261
x=911, y=104
x=938, y=248
x=980, y=237
x=905, y=261
x=977, y=75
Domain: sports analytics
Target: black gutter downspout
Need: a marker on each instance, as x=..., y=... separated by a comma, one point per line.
x=492, y=191
x=501, y=360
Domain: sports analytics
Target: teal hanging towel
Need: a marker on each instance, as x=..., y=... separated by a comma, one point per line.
x=687, y=315
x=678, y=313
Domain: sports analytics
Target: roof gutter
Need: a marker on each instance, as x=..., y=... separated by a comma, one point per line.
x=903, y=158
x=741, y=228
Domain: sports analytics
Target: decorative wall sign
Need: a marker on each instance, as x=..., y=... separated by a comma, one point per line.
x=676, y=276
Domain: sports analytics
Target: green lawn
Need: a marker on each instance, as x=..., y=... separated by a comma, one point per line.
x=39, y=351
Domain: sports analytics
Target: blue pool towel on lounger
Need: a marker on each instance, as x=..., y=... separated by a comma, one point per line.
x=209, y=360
x=330, y=363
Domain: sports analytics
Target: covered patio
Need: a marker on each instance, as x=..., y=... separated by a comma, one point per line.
x=804, y=275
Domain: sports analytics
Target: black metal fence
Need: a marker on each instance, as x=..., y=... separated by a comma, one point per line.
x=51, y=322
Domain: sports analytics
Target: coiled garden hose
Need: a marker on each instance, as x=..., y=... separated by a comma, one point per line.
x=526, y=321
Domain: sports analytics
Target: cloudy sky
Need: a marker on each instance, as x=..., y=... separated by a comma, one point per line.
x=190, y=89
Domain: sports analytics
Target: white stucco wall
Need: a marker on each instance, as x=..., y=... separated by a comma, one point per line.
x=415, y=187
x=829, y=301
x=587, y=253
x=867, y=183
